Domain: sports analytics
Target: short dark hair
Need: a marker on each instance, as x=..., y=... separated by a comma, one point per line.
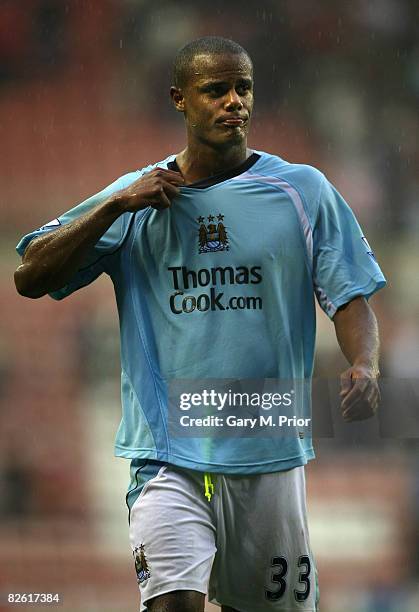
x=212, y=45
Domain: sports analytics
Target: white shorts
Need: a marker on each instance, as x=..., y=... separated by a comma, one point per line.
x=248, y=548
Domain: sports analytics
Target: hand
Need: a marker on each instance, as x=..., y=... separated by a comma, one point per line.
x=156, y=188
x=359, y=392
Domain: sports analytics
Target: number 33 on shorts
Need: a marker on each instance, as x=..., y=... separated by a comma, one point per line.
x=280, y=580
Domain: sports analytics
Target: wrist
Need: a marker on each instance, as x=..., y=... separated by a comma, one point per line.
x=116, y=205
x=367, y=365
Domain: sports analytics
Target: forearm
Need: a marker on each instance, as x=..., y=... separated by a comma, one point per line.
x=51, y=260
x=357, y=333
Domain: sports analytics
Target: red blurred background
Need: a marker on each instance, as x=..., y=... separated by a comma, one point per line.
x=84, y=99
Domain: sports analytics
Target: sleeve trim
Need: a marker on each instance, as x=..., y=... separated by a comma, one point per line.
x=376, y=283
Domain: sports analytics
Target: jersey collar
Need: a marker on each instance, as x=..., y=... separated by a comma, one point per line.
x=221, y=176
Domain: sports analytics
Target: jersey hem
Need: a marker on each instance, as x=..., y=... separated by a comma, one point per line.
x=278, y=465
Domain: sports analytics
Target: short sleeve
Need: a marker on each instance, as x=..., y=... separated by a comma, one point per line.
x=111, y=240
x=344, y=266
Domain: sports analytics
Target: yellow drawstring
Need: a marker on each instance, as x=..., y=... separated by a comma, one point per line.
x=209, y=486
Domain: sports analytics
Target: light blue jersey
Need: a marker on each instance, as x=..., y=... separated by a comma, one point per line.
x=222, y=285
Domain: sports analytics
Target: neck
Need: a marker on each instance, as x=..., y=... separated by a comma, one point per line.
x=198, y=161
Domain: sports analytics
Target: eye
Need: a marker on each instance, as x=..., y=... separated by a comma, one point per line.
x=216, y=90
x=244, y=88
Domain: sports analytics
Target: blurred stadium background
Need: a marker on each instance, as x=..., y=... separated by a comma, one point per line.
x=83, y=99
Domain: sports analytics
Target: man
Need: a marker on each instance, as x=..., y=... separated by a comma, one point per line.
x=215, y=254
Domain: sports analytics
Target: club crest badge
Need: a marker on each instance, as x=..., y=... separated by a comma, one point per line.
x=141, y=566
x=212, y=235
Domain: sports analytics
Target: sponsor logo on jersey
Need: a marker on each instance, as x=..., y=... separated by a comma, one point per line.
x=212, y=236
x=185, y=280
x=141, y=566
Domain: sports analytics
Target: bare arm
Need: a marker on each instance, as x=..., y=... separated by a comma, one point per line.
x=50, y=261
x=357, y=333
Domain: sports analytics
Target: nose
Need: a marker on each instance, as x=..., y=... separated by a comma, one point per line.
x=234, y=101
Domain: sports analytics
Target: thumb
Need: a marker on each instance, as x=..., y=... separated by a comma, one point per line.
x=345, y=382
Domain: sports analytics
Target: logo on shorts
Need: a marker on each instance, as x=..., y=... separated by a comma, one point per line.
x=141, y=567
x=212, y=236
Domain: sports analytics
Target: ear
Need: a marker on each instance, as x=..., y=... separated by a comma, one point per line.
x=177, y=99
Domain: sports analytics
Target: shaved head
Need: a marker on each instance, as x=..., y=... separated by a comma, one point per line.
x=186, y=57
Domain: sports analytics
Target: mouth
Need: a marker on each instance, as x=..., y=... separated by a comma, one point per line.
x=233, y=121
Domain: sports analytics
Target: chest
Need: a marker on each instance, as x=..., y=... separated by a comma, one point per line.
x=232, y=222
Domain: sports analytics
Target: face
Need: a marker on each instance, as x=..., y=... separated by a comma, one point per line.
x=217, y=100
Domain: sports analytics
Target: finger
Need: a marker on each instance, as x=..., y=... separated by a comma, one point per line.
x=372, y=396
x=166, y=189
x=351, y=398
x=151, y=181
x=161, y=201
x=177, y=176
x=175, y=180
x=345, y=383
x=374, y=401
x=170, y=175
x=170, y=190
x=358, y=391
x=359, y=411
x=378, y=394
x=374, y=407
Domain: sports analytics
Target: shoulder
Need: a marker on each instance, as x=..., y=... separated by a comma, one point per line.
x=302, y=175
x=307, y=181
